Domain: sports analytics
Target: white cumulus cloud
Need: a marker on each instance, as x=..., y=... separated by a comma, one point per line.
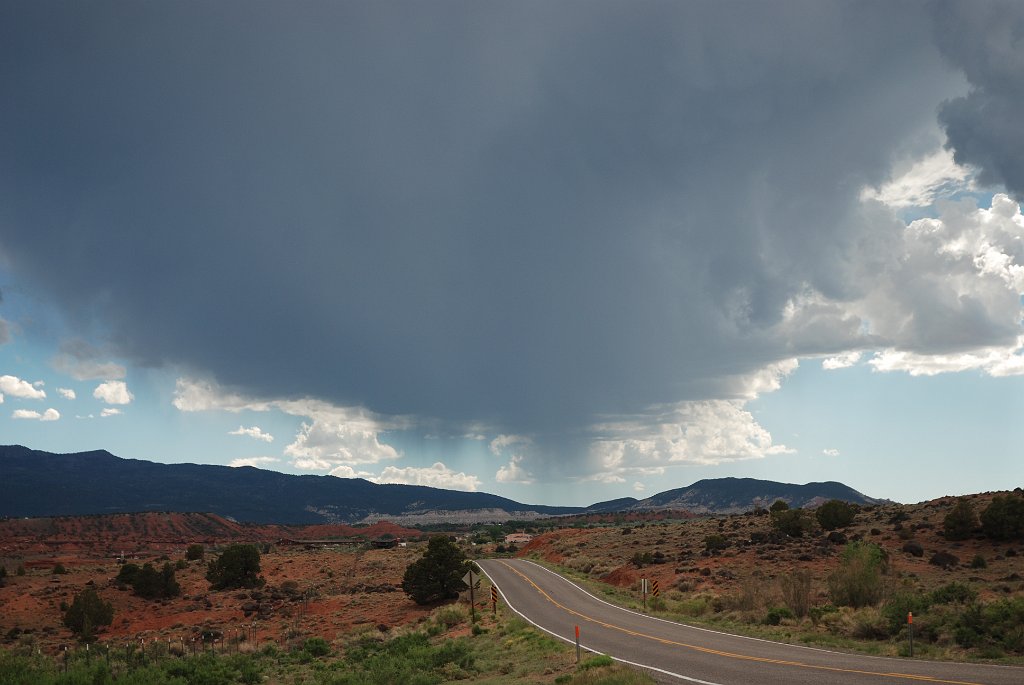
x=66, y=393
x=842, y=361
x=436, y=476
x=30, y=414
x=698, y=432
x=113, y=392
x=513, y=472
x=110, y=411
x=830, y=452
x=500, y=443
x=16, y=387
x=254, y=432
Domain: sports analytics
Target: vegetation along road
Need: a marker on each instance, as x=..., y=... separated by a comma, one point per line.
x=698, y=655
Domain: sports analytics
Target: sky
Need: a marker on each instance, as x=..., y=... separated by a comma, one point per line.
x=558, y=251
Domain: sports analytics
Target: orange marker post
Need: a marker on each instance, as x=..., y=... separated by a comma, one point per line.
x=910, y=628
x=577, y=644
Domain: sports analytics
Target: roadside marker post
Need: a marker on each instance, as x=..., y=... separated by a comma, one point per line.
x=468, y=580
x=577, y=644
x=494, y=600
x=910, y=628
x=643, y=589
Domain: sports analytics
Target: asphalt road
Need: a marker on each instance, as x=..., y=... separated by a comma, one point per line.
x=677, y=652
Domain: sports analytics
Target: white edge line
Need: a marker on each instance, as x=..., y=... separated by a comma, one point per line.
x=582, y=646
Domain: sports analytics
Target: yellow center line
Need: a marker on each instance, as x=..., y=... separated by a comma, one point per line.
x=730, y=655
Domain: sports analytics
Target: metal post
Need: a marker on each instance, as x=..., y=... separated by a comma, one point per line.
x=472, y=601
x=577, y=644
x=643, y=586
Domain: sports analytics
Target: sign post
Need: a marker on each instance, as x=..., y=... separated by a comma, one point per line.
x=643, y=589
x=494, y=600
x=577, y=644
x=468, y=580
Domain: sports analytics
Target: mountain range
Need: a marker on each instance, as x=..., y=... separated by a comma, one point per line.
x=36, y=483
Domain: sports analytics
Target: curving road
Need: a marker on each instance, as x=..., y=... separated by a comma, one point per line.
x=677, y=652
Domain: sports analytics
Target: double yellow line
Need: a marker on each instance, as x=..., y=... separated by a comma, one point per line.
x=730, y=655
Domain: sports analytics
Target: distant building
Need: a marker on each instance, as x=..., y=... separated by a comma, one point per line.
x=517, y=538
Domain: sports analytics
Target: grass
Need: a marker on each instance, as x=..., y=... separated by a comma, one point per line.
x=501, y=650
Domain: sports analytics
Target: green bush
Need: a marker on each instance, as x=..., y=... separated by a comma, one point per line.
x=778, y=505
x=237, y=567
x=835, y=514
x=87, y=612
x=1003, y=519
x=713, y=544
x=791, y=522
x=858, y=582
x=961, y=521
x=954, y=593
x=194, y=552
x=776, y=614
x=979, y=562
x=902, y=603
x=58, y=569
x=316, y=646
x=152, y=584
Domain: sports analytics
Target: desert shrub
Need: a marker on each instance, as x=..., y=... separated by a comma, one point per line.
x=869, y=624
x=1003, y=519
x=778, y=505
x=316, y=646
x=406, y=659
x=954, y=593
x=835, y=514
x=978, y=562
x=754, y=594
x=437, y=575
x=58, y=569
x=791, y=522
x=581, y=564
x=641, y=559
x=900, y=604
x=858, y=581
x=194, y=552
x=713, y=544
x=796, y=591
x=776, y=614
x=817, y=613
x=237, y=567
x=127, y=574
x=87, y=612
x=20, y=571
x=999, y=624
x=960, y=522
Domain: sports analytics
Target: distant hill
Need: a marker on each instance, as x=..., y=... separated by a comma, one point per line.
x=42, y=484
x=736, y=495
x=36, y=483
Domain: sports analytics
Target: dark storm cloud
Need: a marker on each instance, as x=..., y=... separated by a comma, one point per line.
x=523, y=213
x=986, y=40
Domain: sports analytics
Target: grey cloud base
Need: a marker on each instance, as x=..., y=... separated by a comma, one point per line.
x=527, y=215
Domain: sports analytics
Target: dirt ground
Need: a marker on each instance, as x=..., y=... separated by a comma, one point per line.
x=322, y=590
